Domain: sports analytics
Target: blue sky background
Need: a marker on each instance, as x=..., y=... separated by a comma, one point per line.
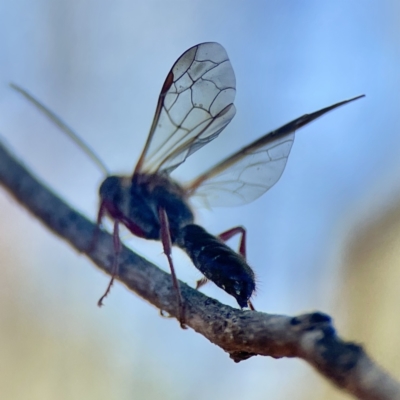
x=100, y=65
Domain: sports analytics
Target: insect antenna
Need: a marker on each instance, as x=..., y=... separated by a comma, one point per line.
x=63, y=127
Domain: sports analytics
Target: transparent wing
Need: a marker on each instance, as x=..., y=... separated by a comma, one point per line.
x=194, y=106
x=247, y=174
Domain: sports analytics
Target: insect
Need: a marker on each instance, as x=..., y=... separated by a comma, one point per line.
x=194, y=106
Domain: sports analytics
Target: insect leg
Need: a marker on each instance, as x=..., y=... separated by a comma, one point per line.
x=242, y=246
x=167, y=246
x=96, y=232
x=231, y=233
x=201, y=282
x=114, y=270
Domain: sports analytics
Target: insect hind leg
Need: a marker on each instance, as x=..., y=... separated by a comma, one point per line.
x=237, y=230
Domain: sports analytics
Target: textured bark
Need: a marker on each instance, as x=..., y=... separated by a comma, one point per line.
x=242, y=334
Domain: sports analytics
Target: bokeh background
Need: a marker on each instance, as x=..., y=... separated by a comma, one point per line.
x=326, y=237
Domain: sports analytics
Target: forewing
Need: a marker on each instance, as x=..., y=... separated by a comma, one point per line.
x=247, y=174
x=195, y=105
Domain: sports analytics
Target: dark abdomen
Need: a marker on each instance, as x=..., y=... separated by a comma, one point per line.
x=218, y=263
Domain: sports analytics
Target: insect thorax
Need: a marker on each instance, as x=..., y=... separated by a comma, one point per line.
x=135, y=202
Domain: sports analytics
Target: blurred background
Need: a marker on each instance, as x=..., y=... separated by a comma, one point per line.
x=326, y=237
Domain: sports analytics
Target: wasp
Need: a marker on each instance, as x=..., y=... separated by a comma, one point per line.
x=195, y=105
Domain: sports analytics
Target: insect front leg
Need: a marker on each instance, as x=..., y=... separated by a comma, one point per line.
x=114, y=270
x=96, y=231
x=167, y=246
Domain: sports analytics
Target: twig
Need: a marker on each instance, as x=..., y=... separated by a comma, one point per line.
x=242, y=334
